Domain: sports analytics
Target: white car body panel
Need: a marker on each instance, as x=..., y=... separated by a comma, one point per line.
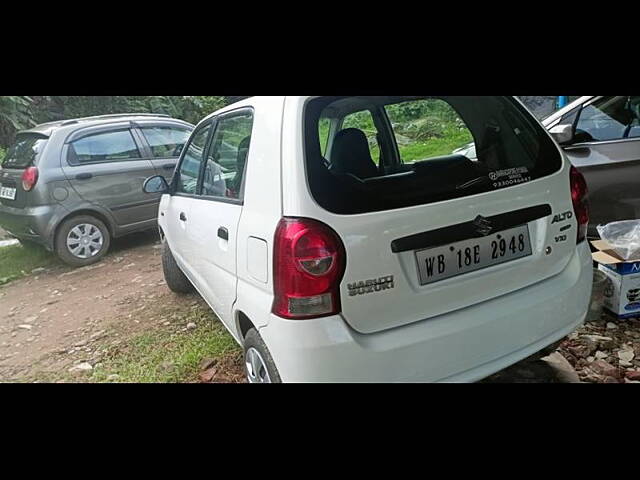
x=464, y=346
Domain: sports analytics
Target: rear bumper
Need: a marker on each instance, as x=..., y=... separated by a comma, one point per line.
x=35, y=224
x=463, y=346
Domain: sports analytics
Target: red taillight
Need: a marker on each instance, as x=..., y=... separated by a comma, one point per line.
x=579, y=193
x=309, y=263
x=29, y=178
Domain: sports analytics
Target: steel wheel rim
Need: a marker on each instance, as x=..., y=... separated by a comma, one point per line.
x=256, y=367
x=84, y=241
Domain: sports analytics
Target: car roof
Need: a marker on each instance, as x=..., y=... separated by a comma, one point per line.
x=48, y=128
x=247, y=102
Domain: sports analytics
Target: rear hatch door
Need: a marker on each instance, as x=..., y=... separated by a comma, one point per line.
x=24, y=153
x=426, y=261
x=449, y=232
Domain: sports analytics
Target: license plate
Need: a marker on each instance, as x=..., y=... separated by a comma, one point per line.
x=436, y=264
x=8, y=192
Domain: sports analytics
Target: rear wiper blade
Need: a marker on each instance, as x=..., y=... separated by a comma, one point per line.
x=473, y=183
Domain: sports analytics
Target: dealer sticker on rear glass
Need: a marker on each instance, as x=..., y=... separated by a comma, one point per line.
x=510, y=176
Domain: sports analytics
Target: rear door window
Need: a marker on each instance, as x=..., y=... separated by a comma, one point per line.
x=446, y=148
x=25, y=151
x=324, y=127
x=224, y=170
x=165, y=142
x=103, y=147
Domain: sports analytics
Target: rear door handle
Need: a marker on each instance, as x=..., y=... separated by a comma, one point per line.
x=183, y=217
x=84, y=176
x=223, y=233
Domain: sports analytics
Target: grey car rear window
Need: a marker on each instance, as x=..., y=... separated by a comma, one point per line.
x=25, y=151
x=386, y=153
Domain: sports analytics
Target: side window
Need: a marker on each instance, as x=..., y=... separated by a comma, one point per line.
x=609, y=118
x=324, y=126
x=165, y=142
x=428, y=128
x=226, y=163
x=186, y=179
x=364, y=121
x=103, y=147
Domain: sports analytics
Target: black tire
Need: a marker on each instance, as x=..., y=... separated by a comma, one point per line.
x=176, y=280
x=253, y=340
x=62, y=250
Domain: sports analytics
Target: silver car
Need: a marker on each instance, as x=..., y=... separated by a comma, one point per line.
x=73, y=185
x=601, y=136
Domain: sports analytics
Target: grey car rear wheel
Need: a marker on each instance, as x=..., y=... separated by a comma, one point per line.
x=82, y=240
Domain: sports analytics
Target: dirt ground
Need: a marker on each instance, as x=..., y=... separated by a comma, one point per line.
x=51, y=319
x=59, y=317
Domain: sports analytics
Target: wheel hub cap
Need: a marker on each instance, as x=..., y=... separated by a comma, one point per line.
x=256, y=367
x=85, y=241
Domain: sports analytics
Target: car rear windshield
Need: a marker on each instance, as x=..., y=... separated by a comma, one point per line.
x=24, y=151
x=368, y=154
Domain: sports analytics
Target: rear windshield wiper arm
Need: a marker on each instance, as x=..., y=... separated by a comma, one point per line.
x=473, y=183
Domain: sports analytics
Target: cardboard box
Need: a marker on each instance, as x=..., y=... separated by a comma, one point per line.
x=622, y=294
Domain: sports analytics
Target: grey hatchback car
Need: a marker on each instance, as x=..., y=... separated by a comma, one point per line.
x=73, y=185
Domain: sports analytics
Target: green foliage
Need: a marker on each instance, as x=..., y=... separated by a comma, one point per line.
x=189, y=108
x=18, y=113
x=424, y=129
x=452, y=138
x=15, y=114
x=410, y=111
x=324, y=134
x=3, y=152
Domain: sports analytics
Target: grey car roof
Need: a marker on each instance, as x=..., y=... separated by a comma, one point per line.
x=48, y=128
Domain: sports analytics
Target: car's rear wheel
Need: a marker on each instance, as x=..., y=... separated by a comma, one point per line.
x=258, y=363
x=176, y=280
x=82, y=240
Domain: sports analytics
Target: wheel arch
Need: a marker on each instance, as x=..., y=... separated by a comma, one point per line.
x=243, y=324
x=83, y=211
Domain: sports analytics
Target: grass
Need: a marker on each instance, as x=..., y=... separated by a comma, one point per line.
x=452, y=139
x=17, y=261
x=434, y=147
x=167, y=355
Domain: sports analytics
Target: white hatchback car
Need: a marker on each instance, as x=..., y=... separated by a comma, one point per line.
x=339, y=240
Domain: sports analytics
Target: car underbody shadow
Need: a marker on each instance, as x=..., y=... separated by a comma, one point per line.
x=133, y=240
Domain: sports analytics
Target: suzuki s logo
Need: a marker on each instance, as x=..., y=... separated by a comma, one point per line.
x=483, y=226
